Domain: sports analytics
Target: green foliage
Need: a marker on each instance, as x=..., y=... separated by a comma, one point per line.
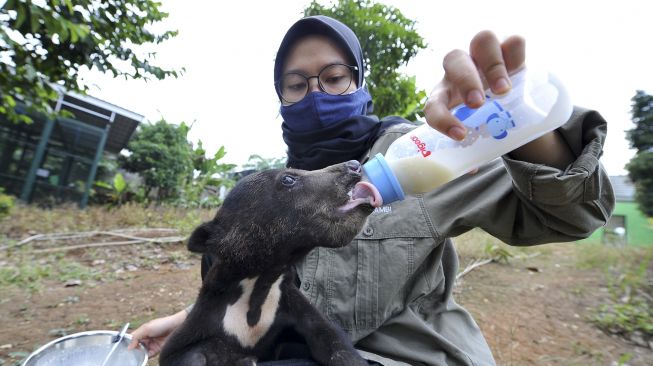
x=498, y=253
x=640, y=167
x=18, y=356
x=625, y=357
x=389, y=40
x=626, y=318
x=117, y=189
x=111, y=187
x=26, y=274
x=119, y=183
x=202, y=188
x=641, y=137
x=631, y=306
x=6, y=203
x=257, y=162
x=72, y=219
x=107, y=168
x=48, y=42
x=640, y=171
x=168, y=165
x=161, y=154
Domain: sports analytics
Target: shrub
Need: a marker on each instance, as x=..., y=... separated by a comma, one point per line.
x=6, y=203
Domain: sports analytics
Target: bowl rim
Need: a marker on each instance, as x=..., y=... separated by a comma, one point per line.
x=83, y=334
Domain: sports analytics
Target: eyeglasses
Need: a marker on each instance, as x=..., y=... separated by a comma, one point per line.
x=333, y=79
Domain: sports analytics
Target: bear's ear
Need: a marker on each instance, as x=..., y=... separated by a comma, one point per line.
x=197, y=242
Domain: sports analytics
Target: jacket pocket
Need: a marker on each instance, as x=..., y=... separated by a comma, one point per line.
x=369, y=280
x=366, y=282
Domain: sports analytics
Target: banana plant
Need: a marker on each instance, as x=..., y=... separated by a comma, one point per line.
x=117, y=188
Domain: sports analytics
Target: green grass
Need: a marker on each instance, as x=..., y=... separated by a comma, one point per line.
x=628, y=274
x=25, y=275
x=477, y=244
x=590, y=256
x=27, y=220
x=20, y=268
x=29, y=273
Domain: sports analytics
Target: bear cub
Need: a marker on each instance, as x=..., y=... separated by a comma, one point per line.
x=268, y=221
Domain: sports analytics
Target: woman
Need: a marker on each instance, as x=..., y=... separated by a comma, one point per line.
x=391, y=288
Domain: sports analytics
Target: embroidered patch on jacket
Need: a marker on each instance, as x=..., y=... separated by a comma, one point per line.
x=383, y=209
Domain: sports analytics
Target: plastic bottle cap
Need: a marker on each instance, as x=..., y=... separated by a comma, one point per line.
x=379, y=173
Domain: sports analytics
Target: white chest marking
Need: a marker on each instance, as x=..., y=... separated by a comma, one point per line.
x=235, y=317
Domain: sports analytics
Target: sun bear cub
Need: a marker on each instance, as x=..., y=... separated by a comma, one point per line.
x=268, y=221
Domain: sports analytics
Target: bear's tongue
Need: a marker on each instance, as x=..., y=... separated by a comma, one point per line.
x=363, y=192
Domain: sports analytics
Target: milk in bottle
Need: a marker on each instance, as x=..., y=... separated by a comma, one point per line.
x=424, y=159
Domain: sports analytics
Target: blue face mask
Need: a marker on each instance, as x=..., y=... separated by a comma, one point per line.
x=319, y=110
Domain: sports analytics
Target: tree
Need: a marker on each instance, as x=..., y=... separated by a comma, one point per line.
x=641, y=137
x=640, y=167
x=161, y=154
x=389, y=40
x=46, y=43
x=202, y=189
x=257, y=162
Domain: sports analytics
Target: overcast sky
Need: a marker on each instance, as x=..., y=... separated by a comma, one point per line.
x=599, y=49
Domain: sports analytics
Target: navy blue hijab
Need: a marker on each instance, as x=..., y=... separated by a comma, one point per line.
x=344, y=140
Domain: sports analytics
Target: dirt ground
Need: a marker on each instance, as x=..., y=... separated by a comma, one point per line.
x=536, y=312
x=533, y=311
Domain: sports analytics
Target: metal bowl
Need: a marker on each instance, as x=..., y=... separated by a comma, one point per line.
x=87, y=349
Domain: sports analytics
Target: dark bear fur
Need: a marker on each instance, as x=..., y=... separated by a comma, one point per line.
x=270, y=220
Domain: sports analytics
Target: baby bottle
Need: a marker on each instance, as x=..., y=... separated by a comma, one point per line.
x=424, y=159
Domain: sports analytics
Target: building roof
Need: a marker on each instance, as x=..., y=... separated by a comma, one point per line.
x=96, y=112
x=624, y=189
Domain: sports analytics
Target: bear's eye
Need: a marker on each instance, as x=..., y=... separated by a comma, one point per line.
x=288, y=180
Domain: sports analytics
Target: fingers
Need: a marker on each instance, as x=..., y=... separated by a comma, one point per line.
x=461, y=84
x=133, y=344
x=488, y=65
x=485, y=49
x=514, y=53
x=137, y=335
x=152, y=345
x=460, y=73
x=153, y=349
x=497, y=60
x=438, y=116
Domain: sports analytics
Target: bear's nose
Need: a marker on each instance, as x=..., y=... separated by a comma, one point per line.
x=353, y=166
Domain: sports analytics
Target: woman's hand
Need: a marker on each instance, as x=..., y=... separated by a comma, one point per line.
x=154, y=333
x=466, y=76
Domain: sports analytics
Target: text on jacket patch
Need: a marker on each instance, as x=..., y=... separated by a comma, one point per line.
x=235, y=317
x=383, y=209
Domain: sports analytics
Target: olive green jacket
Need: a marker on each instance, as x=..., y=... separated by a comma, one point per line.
x=391, y=288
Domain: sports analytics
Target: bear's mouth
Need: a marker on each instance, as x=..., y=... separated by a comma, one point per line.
x=363, y=193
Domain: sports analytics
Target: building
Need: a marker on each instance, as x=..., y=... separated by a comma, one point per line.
x=54, y=161
x=628, y=225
